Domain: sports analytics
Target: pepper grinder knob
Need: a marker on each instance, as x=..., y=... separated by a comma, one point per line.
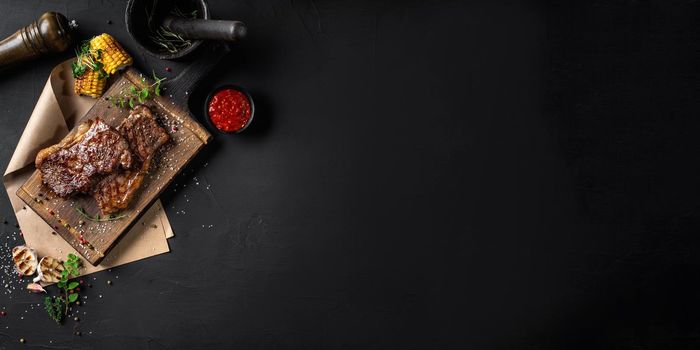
x=48, y=34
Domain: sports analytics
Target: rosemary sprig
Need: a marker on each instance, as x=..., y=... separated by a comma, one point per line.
x=98, y=218
x=177, y=12
x=166, y=39
x=169, y=41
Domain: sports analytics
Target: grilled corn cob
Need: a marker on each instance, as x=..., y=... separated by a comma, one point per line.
x=91, y=83
x=90, y=79
x=108, y=51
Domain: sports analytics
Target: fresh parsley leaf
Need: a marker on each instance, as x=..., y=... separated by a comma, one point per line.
x=72, y=297
x=143, y=95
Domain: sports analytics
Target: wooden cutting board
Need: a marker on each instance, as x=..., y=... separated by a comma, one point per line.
x=98, y=238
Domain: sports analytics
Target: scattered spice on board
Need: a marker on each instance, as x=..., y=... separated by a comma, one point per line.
x=98, y=218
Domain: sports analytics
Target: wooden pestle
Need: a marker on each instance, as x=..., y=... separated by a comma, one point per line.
x=50, y=33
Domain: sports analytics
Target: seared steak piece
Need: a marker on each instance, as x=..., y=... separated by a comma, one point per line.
x=79, y=160
x=114, y=192
x=143, y=133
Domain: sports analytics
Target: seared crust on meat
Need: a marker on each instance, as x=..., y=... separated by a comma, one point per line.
x=114, y=192
x=143, y=133
x=78, y=161
x=106, y=162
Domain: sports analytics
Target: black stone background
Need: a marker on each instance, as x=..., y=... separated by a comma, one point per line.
x=420, y=175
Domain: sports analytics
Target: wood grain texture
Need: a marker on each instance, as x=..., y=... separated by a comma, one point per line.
x=188, y=137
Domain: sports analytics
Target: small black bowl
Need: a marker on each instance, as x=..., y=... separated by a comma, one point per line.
x=225, y=87
x=136, y=19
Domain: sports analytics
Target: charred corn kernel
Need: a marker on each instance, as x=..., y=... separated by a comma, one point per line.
x=108, y=51
x=91, y=84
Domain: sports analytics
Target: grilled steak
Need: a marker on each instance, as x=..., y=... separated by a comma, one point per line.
x=114, y=192
x=143, y=133
x=80, y=159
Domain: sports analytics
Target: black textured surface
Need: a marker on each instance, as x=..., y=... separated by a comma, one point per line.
x=478, y=175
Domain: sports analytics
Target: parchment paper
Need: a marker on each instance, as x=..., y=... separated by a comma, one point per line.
x=55, y=113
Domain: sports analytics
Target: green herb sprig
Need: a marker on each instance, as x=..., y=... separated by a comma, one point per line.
x=88, y=59
x=134, y=95
x=98, y=218
x=57, y=306
x=168, y=40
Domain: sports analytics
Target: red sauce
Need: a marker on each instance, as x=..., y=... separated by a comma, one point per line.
x=229, y=110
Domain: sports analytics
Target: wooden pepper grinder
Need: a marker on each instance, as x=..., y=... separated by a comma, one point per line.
x=50, y=33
